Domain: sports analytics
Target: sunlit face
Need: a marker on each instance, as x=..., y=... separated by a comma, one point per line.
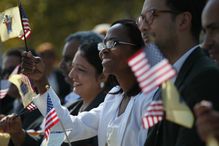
x=114, y=60
x=68, y=54
x=210, y=23
x=161, y=25
x=85, y=80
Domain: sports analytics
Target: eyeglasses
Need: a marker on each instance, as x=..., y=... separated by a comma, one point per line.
x=149, y=16
x=111, y=44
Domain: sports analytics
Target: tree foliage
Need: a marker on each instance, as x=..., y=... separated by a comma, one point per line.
x=53, y=20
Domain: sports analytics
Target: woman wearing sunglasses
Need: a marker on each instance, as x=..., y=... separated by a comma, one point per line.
x=117, y=121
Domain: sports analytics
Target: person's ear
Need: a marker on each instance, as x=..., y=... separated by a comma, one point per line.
x=184, y=21
x=102, y=79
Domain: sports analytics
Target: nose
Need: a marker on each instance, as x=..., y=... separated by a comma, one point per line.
x=72, y=74
x=102, y=52
x=143, y=27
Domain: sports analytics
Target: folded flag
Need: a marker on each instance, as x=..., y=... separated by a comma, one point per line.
x=176, y=109
x=211, y=141
x=25, y=89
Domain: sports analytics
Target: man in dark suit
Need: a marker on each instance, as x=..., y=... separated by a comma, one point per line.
x=175, y=26
x=207, y=117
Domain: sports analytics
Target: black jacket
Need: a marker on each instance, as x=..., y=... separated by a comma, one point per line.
x=197, y=80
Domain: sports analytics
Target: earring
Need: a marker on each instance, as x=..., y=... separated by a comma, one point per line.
x=102, y=84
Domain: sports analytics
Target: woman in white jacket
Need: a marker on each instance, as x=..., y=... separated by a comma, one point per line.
x=117, y=121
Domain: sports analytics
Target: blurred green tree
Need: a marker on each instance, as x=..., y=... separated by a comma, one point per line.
x=53, y=20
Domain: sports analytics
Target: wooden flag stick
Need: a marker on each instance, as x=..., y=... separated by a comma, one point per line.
x=69, y=143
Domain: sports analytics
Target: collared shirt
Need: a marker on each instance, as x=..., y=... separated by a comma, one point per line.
x=178, y=64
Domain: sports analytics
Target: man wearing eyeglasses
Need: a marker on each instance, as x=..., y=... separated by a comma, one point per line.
x=175, y=26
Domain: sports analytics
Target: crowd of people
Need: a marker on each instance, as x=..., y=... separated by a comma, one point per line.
x=98, y=98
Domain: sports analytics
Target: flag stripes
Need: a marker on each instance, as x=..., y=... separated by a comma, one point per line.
x=150, y=77
x=31, y=107
x=25, y=24
x=153, y=114
x=3, y=92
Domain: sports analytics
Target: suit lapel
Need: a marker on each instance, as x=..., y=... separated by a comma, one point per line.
x=187, y=65
x=155, y=133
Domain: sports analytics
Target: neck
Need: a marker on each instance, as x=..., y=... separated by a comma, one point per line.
x=126, y=80
x=182, y=46
x=90, y=97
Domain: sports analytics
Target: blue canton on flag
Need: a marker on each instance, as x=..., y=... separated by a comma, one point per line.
x=51, y=117
x=25, y=24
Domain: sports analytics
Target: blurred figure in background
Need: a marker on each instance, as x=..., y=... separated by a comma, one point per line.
x=207, y=117
x=47, y=52
x=101, y=28
x=11, y=59
x=12, y=103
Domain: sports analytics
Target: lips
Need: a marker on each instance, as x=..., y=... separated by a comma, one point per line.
x=76, y=84
x=146, y=40
x=105, y=61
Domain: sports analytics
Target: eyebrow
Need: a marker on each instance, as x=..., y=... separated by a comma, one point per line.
x=79, y=65
x=112, y=38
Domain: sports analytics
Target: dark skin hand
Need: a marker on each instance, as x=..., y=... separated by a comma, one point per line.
x=207, y=120
x=12, y=124
x=34, y=68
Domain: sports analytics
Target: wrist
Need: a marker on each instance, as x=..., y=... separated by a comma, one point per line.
x=42, y=85
x=18, y=137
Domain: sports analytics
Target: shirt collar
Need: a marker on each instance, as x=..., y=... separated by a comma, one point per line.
x=178, y=64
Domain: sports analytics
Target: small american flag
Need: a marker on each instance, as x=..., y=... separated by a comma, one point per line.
x=153, y=114
x=25, y=24
x=31, y=107
x=51, y=117
x=150, y=68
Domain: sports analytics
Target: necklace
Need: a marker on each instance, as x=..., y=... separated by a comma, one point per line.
x=83, y=107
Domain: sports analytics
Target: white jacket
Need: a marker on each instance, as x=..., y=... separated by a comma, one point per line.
x=129, y=131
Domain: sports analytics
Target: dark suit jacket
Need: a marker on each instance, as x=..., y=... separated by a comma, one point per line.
x=74, y=109
x=197, y=80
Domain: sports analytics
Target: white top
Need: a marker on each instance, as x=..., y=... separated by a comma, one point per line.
x=125, y=130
